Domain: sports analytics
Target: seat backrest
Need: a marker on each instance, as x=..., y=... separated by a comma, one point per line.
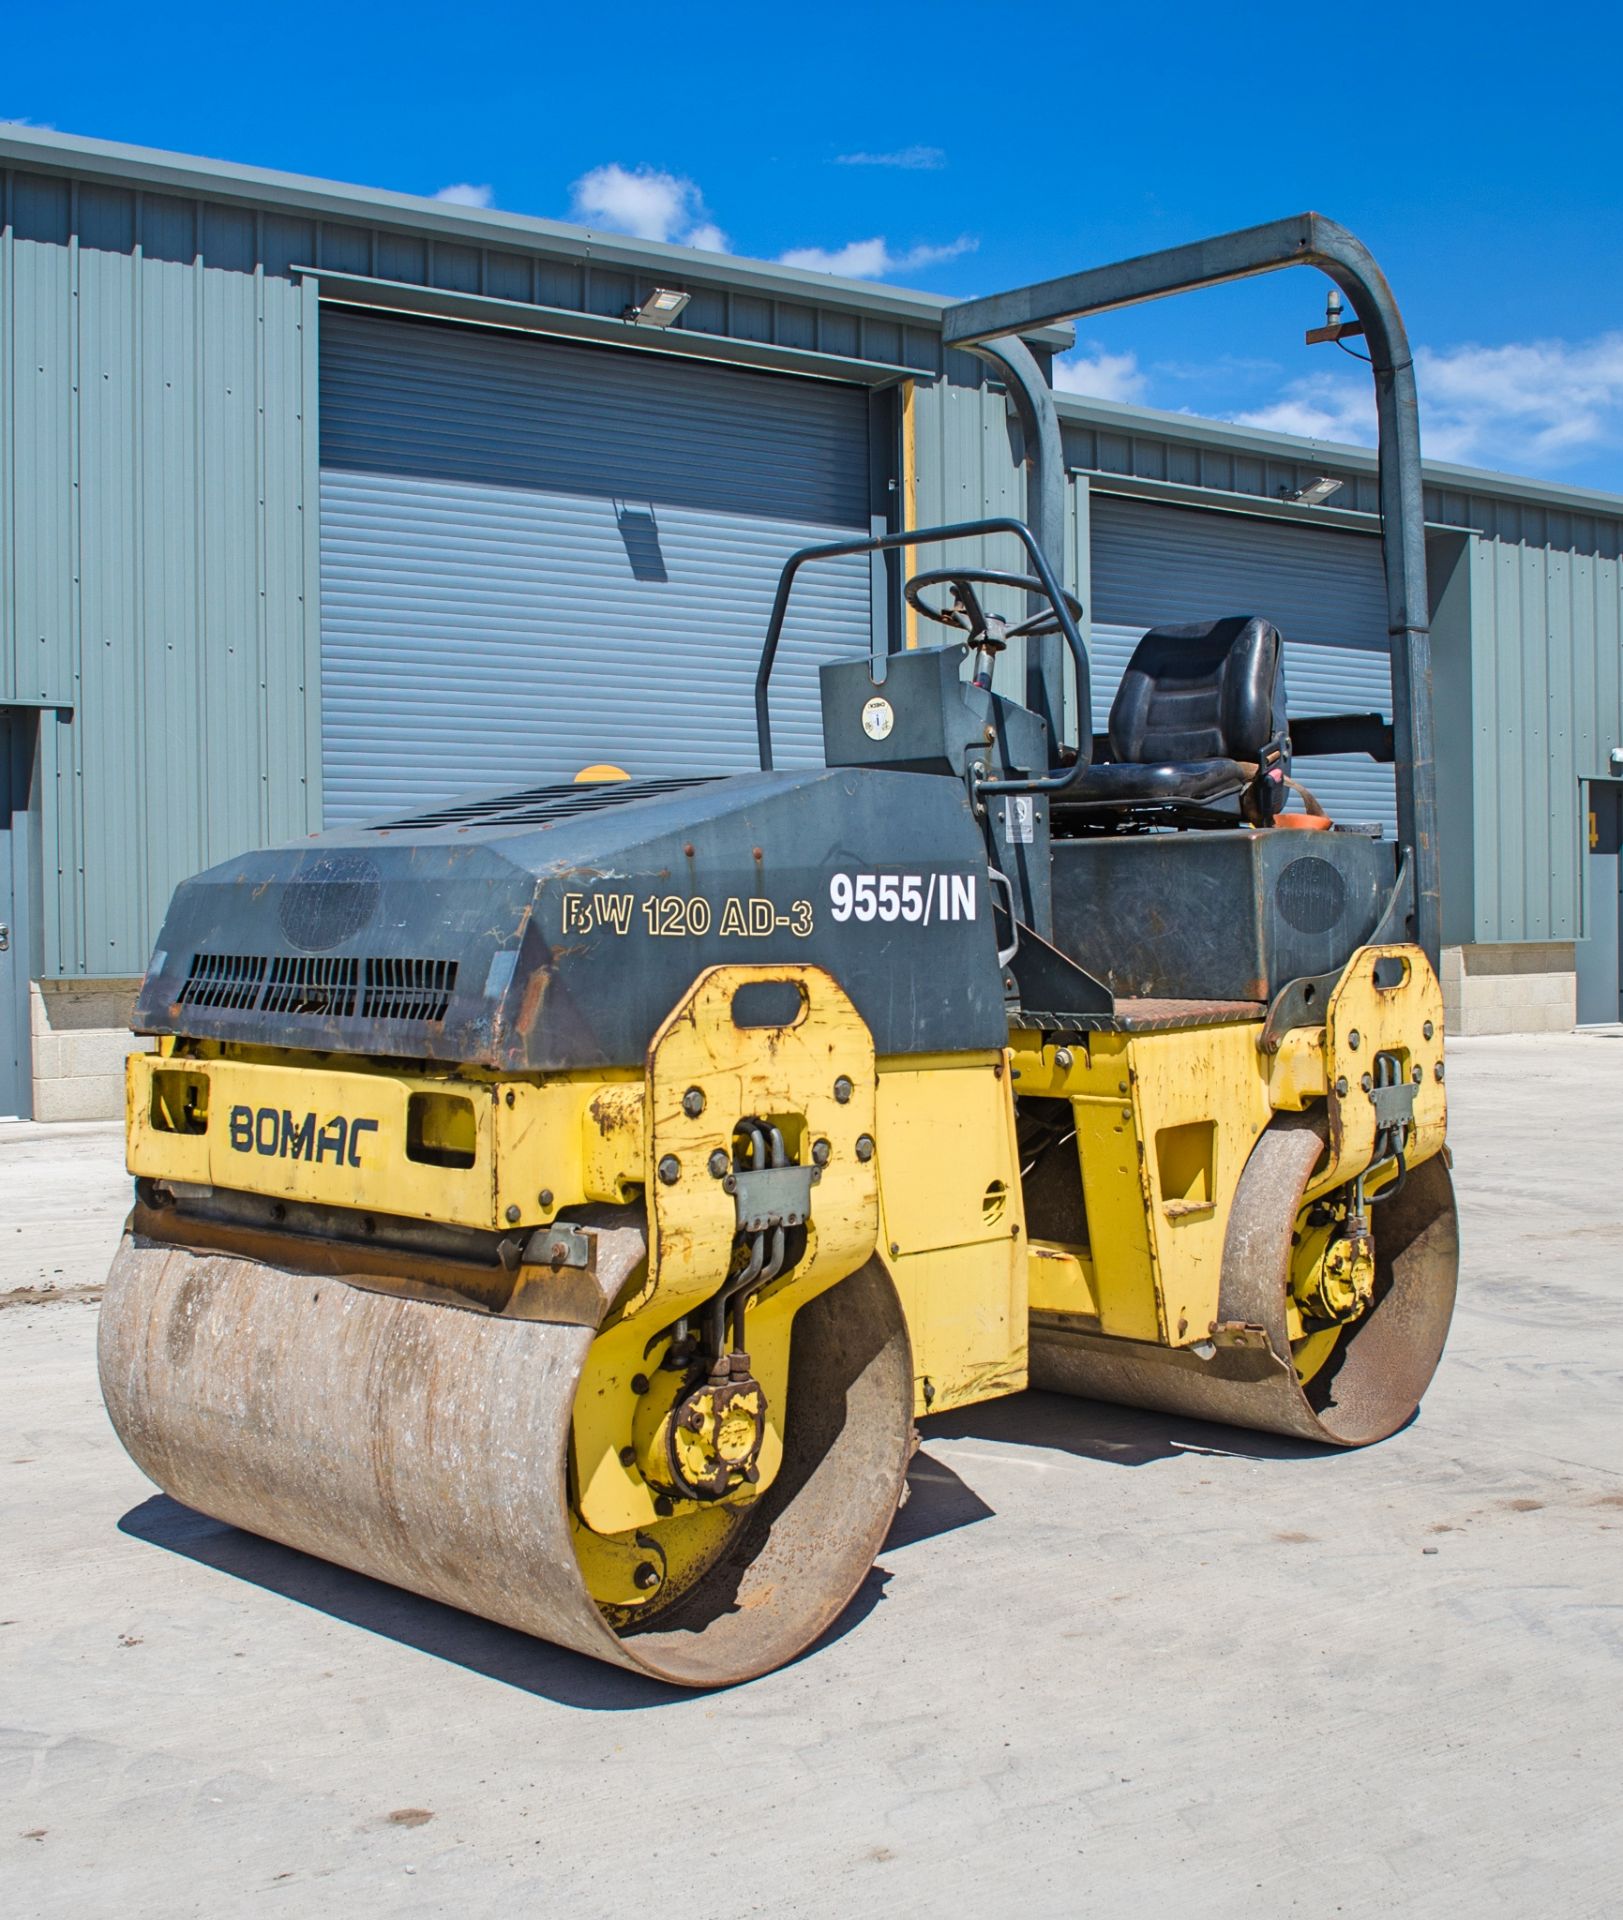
x=1211, y=690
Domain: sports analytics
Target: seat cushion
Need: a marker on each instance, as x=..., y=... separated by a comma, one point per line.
x=1211, y=690
x=1114, y=783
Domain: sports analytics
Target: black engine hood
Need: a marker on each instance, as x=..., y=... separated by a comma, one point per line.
x=555, y=929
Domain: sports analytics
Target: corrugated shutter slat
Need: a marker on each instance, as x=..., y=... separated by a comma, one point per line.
x=535, y=556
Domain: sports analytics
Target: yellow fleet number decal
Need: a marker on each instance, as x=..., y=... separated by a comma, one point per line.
x=674, y=915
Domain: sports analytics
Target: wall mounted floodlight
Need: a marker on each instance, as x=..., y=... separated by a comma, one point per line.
x=660, y=308
x=1316, y=492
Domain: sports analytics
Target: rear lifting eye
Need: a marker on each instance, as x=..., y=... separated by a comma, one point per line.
x=768, y=1003
x=440, y=1130
x=180, y=1102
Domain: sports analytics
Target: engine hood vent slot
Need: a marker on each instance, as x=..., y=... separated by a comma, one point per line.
x=540, y=805
x=225, y=980
x=324, y=989
x=408, y=989
x=403, y=990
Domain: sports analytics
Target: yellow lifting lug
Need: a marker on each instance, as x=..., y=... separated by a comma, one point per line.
x=1296, y=1071
x=781, y=1049
x=1383, y=1049
x=712, y=1064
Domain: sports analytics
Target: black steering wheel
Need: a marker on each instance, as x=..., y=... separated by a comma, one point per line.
x=966, y=614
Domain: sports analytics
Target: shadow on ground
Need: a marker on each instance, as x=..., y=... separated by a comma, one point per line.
x=938, y=1501
x=1118, y=1436
x=445, y=1633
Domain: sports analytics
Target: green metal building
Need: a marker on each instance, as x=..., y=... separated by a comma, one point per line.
x=317, y=500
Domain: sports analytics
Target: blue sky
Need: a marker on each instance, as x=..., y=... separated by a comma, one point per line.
x=965, y=148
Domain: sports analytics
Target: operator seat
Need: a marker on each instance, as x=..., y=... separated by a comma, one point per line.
x=1199, y=718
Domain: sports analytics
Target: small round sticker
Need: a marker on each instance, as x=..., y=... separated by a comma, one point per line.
x=878, y=717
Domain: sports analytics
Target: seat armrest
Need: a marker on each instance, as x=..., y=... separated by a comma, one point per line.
x=1323, y=733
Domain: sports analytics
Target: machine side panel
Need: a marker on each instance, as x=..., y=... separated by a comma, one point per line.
x=559, y=931
x=955, y=1248
x=1220, y=916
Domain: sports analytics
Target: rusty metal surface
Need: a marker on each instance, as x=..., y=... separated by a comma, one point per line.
x=1383, y=1364
x=566, y=1296
x=427, y=1447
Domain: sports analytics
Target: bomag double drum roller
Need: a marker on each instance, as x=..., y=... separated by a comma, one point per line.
x=564, y=1203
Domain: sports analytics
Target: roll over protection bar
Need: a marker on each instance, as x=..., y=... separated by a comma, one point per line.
x=993, y=325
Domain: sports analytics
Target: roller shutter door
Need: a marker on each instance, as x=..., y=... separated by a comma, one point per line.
x=1322, y=588
x=536, y=556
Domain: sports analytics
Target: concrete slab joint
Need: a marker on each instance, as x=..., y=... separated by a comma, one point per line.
x=80, y=1031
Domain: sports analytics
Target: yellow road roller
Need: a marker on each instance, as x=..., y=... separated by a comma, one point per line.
x=564, y=1203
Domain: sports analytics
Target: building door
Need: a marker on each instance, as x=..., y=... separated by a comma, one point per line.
x=1600, y=956
x=1323, y=589
x=16, y=1062
x=537, y=555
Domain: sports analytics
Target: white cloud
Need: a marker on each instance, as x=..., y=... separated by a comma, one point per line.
x=647, y=203
x=1101, y=375
x=23, y=120
x=1323, y=406
x=1534, y=402
x=912, y=159
x=466, y=194
x=1529, y=404
x=873, y=259
x=655, y=205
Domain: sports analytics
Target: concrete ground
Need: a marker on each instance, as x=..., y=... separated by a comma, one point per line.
x=1108, y=1664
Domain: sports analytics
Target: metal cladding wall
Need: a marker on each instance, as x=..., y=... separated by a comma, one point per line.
x=963, y=459
x=538, y=556
x=154, y=562
x=1546, y=709
x=159, y=350
x=159, y=587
